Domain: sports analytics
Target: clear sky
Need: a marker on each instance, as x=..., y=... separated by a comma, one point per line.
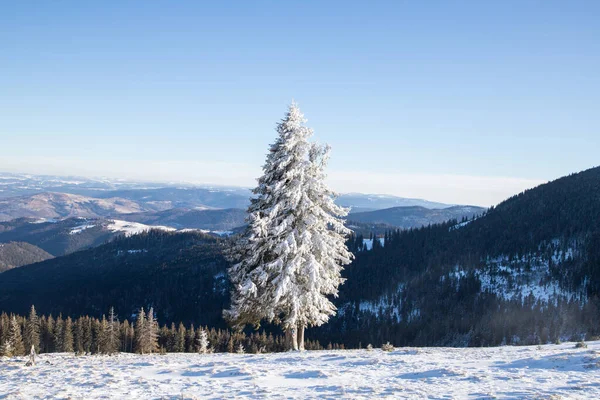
x=454, y=101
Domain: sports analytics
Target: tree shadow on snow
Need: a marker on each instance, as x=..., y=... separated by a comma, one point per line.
x=305, y=375
x=562, y=361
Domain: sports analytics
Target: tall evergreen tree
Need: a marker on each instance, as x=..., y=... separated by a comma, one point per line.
x=140, y=332
x=151, y=333
x=289, y=258
x=67, y=338
x=15, y=338
x=324, y=239
x=112, y=334
x=78, y=336
x=103, y=339
x=32, y=330
x=87, y=335
x=190, y=340
x=180, y=339
x=58, y=334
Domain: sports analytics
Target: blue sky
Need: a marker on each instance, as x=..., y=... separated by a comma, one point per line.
x=462, y=102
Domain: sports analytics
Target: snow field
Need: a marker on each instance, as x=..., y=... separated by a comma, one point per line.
x=528, y=372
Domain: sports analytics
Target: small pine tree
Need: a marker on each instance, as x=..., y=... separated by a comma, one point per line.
x=47, y=332
x=58, y=334
x=78, y=336
x=112, y=334
x=180, y=339
x=140, y=331
x=6, y=349
x=202, y=341
x=387, y=347
x=87, y=336
x=32, y=330
x=151, y=333
x=15, y=339
x=102, y=338
x=240, y=349
x=67, y=338
x=190, y=340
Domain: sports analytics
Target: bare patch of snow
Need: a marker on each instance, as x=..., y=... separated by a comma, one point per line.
x=80, y=228
x=134, y=228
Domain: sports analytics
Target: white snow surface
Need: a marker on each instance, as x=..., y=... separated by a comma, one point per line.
x=134, y=228
x=528, y=372
x=79, y=229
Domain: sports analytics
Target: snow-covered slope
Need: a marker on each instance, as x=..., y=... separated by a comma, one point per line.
x=133, y=228
x=544, y=372
x=59, y=237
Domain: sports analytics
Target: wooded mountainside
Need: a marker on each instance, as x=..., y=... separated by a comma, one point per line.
x=527, y=271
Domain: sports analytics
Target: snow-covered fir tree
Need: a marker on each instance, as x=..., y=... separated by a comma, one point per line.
x=202, y=341
x=291, y=255
x=321, y=273
x=240, y=349
x=6, y=349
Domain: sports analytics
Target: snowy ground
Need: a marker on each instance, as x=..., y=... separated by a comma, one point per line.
x=550, y=372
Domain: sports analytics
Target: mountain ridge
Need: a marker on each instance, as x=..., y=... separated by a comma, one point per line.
x=17, y=254
x=415, y=216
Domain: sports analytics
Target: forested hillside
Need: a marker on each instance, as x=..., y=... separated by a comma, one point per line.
x=16, y=254
x=182, y=218
x=180, y=274
x=415, y=216
x=526, y=271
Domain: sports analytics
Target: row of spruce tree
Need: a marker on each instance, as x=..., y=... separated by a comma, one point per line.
x=108, y=335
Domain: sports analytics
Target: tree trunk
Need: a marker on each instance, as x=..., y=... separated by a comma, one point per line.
x=289, y=340
x=295, y=339
x=301, y=337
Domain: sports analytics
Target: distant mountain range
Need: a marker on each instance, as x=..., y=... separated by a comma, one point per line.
x=163, y=196
x=181, y=218
x=64, y=205
x=415, y=216
x=359, y=202
x=60, y=236
x=69, y=235
x=61, y=215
